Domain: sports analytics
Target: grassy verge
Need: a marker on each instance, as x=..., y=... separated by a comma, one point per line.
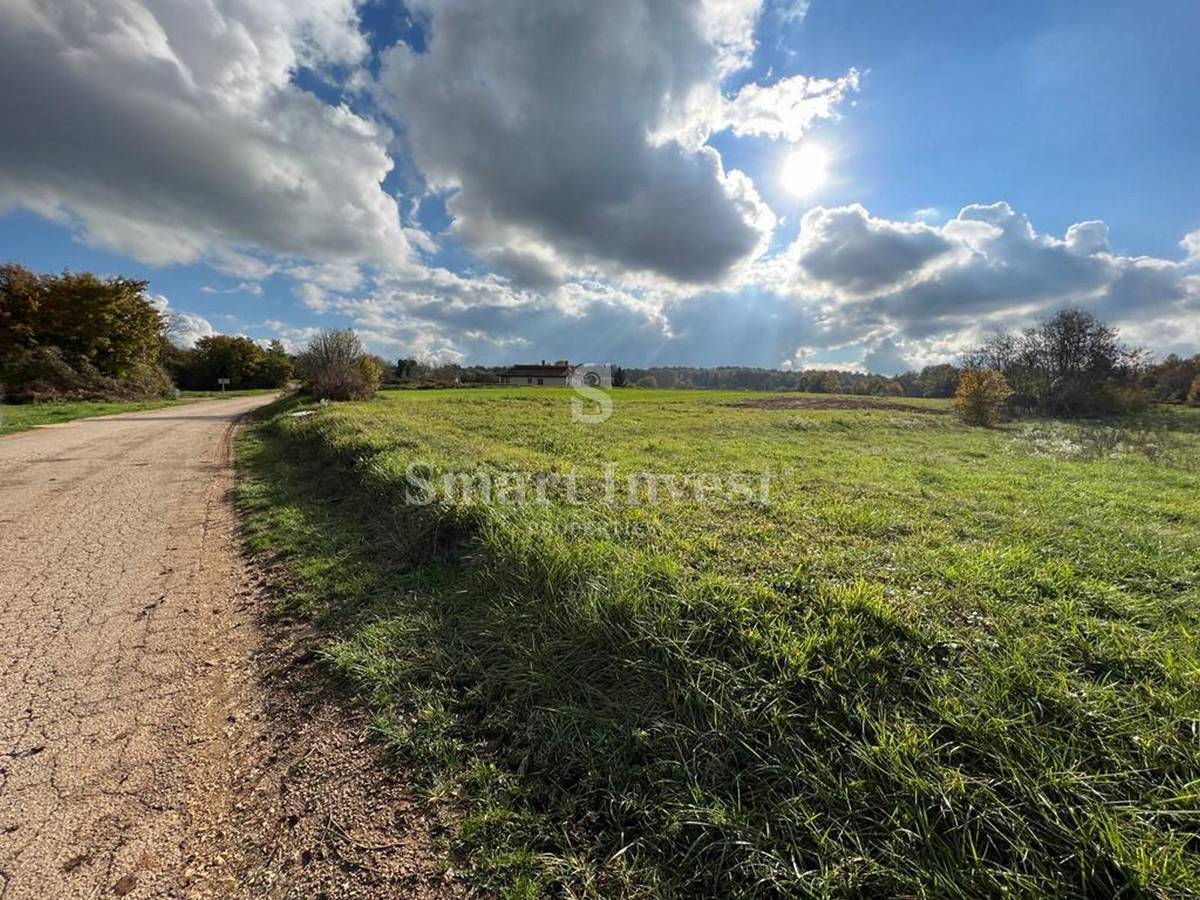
x=21, y=417
x=217, y=395
x=929, y=661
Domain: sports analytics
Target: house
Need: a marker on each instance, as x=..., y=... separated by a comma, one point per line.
x=543, y=373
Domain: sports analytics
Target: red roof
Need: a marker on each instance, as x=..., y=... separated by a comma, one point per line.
x=522, y=369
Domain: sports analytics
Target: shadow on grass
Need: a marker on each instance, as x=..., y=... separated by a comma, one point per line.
x=613, y=729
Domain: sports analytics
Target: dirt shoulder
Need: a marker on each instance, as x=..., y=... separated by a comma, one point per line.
x=158, y=736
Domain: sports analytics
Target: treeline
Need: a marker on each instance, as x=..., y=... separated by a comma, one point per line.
x=241, y=360
x=932, y=381
x=1174, y=380
x=76, y=336
x=1074, y=364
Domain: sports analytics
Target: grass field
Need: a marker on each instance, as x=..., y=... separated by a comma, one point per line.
x=21, y=417
x=923, y=660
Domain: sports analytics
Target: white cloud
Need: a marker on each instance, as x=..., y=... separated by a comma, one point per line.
x=784, y=110
x=987, y=265
x=242, y=287
x=1086, y=238
x=171, y=132
x=182, y=329
x=1191, y=245
x=850, y=253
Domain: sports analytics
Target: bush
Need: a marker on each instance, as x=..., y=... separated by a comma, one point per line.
x=43, y=373
x=981, y=396
x=1193, y=396
x=335, y=367
x=1124, y=400
x=372, y=371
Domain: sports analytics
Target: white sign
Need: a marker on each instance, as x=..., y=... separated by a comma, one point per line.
x=222, y=381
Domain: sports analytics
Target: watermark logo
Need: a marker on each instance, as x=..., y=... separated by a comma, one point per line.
x=592, y=403
x=424, y=485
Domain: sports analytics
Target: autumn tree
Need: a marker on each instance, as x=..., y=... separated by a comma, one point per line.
x=78, y=335
x=981, y=396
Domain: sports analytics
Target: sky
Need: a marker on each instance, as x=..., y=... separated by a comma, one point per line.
x=856, y=184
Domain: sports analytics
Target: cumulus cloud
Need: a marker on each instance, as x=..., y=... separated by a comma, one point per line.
x=1086, y=238
x=182, y=329
x=1191, y=245
x=172, y=132
x=988, y=264
x=542, y=131
x=848, y=251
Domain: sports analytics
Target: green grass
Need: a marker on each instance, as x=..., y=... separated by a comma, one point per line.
x=243, y=392
x=934, y=661
x=21, y=417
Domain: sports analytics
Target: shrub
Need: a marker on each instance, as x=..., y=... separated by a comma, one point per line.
x=334, y=367
x=981, y=396
x=43, y=373
x=1124, y=400
x=647, y=381
x=372, y=371
x=1193, y=396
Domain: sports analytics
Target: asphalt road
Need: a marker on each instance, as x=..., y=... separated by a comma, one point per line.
x=119, y=643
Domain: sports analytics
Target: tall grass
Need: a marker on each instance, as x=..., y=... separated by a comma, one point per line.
x=928, y=666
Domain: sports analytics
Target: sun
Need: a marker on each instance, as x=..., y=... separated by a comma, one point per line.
x=805, y=170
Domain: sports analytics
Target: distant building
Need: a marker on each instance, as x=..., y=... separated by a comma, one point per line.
x=543, y=373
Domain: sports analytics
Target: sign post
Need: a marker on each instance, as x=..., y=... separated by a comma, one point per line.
x=222, y=382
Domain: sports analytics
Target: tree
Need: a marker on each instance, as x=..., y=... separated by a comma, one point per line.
x=77, y=335
x=407, y=367
x=618, y=377
x=275, y=366
x=1171, y=379
x=1193, y=396
x=647, y=381
x=224, y=356
x=106, y=323
x=938, y=381
x=334, y=366
x=1070, y=364
x=241, y=360
x=981, y=396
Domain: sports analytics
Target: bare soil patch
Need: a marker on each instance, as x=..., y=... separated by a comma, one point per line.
x=819, y=403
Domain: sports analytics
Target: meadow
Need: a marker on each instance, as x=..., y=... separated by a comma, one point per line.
x=715, y=646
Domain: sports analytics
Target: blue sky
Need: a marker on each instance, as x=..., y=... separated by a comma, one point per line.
x=496, y=181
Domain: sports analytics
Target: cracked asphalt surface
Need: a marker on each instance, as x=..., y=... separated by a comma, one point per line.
x=164, y=730
x=118, y=567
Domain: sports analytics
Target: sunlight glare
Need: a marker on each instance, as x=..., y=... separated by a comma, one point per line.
x=805, y=170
